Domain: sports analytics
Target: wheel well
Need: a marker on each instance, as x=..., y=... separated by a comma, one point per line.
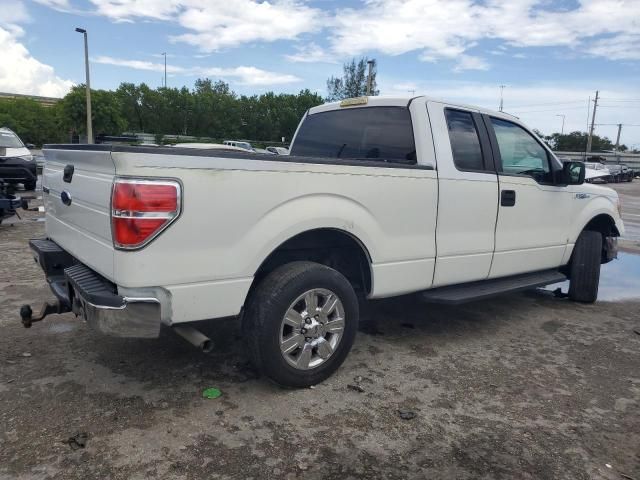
x=333, y=248
x=604, y=224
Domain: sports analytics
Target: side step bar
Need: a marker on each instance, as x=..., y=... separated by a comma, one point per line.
x=467, y=292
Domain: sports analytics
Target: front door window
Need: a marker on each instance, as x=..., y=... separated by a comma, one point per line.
x=520, y=152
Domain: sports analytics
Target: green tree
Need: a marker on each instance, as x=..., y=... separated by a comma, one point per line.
x=105, y=112
x=130, y=99
x=577, y=142
x=353, y=82
x=33, y=122
x=211, y=110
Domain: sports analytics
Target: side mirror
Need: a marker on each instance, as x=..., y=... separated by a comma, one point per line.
x=573, y=173
x=30, y=146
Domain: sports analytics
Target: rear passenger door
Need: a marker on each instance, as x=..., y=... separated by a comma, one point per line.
x=534, y=213
x=467, y=195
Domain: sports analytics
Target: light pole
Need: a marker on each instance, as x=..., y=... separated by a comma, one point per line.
x=86, y=64
x=562, y=129
x=165, y=69
x=371, y=63
x=593, y=121
x=501, y=95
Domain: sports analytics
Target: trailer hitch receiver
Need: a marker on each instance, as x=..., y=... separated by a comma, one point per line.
x=26, y=314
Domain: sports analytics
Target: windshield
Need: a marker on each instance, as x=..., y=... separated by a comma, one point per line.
x=10, y=140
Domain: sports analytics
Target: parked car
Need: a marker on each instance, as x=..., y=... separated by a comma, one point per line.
x=627, y=173
x=596, y=172
x=615, y=173
x=278, y=150
x=9, y=203
x=145, y=238
x=243, y=145
x=263, y=151
x=17, y=165
x=210, y=146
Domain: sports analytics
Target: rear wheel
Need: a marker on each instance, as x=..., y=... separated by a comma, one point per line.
x=30, y=186
x=585, y=267
x=300, y=323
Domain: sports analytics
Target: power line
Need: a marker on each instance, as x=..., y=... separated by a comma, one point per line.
x=629, y=100
x=547, y=110
x=547, y=104
x=619, y=106
x=616, y=124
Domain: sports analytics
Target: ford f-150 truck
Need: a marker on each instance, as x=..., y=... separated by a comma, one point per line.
x=378, y=197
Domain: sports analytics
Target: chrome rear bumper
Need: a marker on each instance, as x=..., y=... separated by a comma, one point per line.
x=84, y=292
x=136, y=317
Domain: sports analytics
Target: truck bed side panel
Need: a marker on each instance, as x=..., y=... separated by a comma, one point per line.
x=235, y=213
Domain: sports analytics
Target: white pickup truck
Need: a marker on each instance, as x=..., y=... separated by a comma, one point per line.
x=379, y=197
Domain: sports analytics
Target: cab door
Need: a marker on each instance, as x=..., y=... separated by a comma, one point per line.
x=467, y=195
x=533, y=212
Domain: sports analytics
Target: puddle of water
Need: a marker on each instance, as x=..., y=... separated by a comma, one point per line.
x=619, y=279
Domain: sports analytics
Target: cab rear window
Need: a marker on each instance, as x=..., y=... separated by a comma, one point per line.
x=369, y=134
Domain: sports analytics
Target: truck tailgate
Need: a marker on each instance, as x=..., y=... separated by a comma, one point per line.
x=81, y=225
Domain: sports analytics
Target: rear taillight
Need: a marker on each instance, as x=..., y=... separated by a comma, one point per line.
x=141, y=209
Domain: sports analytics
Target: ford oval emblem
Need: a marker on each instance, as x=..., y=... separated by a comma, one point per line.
x=65, y=197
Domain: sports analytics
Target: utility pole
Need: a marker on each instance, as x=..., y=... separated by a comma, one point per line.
x=618, y=137
x=412, y=92
x=370, y=63
x=501, y=96
x=165, y=69
x=88, y=85
x=562, y=129
x=593, y=121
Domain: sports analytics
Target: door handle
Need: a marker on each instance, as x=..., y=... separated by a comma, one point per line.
x=508, y=198
x=67, y=173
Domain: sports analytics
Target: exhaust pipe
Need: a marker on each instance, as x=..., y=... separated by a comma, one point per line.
x=195, y=338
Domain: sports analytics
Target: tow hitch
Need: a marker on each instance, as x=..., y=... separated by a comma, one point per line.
x=26, y=314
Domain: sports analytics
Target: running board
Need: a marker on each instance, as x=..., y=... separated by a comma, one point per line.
x=467, y=292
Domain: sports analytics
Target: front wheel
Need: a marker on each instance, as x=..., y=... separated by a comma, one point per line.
x=300, y=323
x=585, y=267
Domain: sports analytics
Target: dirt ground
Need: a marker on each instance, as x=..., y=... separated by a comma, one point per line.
x=521, y=386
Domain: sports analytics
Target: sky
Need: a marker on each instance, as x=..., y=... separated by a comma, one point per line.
x=551, y=56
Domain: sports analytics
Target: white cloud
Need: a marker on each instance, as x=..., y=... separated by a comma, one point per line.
x=468, y=62
x=622, y=47
x=13, y=12
x=447, y=29
x=57, y=4
x=137, y=64
x=215, y=24
x=252, y=75
x=434, y=29
x=311, y=53
x=244, y=75
x=21, y=73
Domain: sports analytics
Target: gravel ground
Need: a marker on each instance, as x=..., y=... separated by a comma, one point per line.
x=520, y=386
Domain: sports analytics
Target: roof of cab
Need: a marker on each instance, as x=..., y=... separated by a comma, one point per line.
x=399, y=101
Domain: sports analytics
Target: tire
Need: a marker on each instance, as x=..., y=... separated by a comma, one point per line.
x=585, y=267
x=285, y=292
x=30, y=186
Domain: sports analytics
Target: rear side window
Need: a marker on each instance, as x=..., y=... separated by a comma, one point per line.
x=371, y=133
x=465, y=144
